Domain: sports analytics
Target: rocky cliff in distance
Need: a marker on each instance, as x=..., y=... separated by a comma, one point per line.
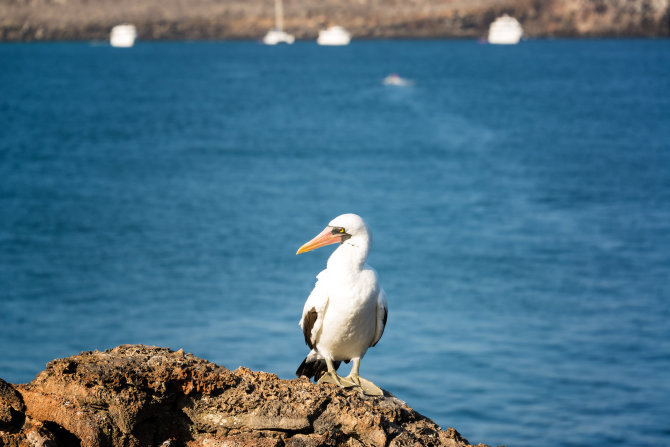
x=135, y=395
x=28, y=20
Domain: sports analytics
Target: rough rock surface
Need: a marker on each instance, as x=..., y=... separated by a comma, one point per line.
x=24, y=20
x=135, y=395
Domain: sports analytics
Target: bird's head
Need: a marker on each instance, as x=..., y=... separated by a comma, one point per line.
x=346, y=228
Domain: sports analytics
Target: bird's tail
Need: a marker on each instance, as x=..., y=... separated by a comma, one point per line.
x=314, y=366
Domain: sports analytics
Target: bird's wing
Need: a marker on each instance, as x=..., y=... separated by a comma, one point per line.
x=382, y=314
x=313, y=312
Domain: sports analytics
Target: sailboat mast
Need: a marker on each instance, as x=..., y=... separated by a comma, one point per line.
x=279, y=15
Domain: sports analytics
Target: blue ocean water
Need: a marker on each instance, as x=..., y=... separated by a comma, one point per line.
x=519, y=199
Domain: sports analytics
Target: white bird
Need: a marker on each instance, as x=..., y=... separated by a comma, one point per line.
x=346, y=312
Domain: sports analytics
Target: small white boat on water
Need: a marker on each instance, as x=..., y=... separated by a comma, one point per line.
x=278, y=35
x=123, y=36
x=396, y=80
x=505, y=30
x=334, y=35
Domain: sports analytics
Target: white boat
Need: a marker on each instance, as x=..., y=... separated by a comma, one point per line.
x=334, y=35
x=505, y=30
x=278, y=35
x=395, y=79
x=123, y=36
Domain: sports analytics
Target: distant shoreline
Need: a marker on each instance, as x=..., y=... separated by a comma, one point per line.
x=80, y=20
x=104, y=42
x=168, y=38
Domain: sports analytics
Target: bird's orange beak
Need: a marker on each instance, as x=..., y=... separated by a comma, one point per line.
x=326, y=237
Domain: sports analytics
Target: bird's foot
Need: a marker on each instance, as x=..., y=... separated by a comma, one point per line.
x=355, y=382
x=335, y=379
x=367, y=388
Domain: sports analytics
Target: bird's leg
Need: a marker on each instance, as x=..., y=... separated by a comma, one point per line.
x=368, y=388
x=353, y=376
x=353, y=379
x=331, y=376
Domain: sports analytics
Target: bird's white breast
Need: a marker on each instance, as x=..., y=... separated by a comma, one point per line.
x=350, y=318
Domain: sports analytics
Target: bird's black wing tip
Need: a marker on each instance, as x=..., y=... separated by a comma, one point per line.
x=314, y=368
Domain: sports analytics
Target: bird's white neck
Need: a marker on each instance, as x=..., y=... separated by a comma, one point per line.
x=351, y=255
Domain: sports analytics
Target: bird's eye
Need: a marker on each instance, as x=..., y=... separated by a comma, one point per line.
x=338, y=230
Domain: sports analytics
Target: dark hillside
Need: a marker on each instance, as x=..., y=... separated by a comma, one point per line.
x=28, y=20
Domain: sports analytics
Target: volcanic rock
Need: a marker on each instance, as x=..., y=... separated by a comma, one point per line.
x=135, y=395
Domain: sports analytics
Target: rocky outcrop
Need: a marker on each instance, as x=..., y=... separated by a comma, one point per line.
x=136, y=395
x=22, y=20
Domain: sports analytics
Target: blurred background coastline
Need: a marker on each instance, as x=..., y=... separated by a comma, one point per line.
x=57, y=20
